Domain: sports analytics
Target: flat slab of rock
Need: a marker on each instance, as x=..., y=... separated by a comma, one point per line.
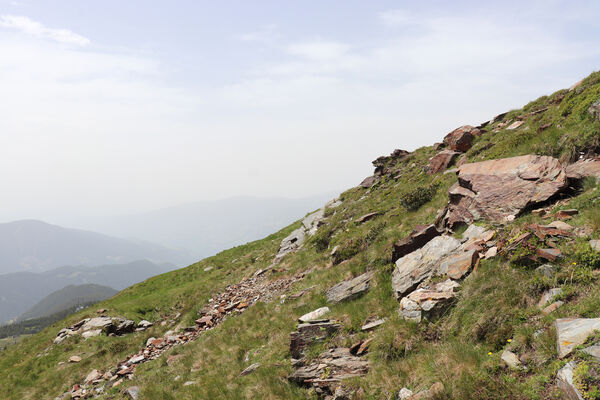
x=440, y=161
x=350, y=289
x=419, y=265
x=427, y=301
x=595, y=245
x=313, y=315
x=291, y=243
x=367, y=217
x=571, y=332
x=369, y=181
x=498, y=190
x=548, y=296
x=310, y=333
x=593, y=351
x=418, y=238
x=461, y=139
x=510, y=359
x=457, y=265
x=372, y=325
x=564, y=380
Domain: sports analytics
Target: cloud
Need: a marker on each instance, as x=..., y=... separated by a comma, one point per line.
x=318, y=50
x=267, y=34
x=394, y=18
x=34, y=28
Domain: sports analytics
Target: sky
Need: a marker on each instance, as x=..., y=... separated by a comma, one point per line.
x=112, y=107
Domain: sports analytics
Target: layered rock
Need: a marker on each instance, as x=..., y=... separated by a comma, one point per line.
x=440, y=161
x=584, y=168
x=350, y=289
x=498, y=190
x=461, y=139
x=427, y=300
x=309, y=333
x=564, y=380
x=571, y=332
x=418, y=238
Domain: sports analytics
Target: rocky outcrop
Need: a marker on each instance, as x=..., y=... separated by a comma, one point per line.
x=291, y=243
x=594, y=110
x=564, y=381
x=90, y=327
x=382, y=163
x=418, y=238
x=350, y=289
x=441, y=161
x=461, y=139
x=309, y=333
x=427, y=301
x=314, y=315
x=571, y=332
x=584, y=168
x=328, y=370
x=369, y=181
x=498, y=190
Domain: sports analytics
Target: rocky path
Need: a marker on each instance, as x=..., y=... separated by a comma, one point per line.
x=235, y=299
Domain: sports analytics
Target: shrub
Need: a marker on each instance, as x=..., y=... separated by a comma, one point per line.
x=413, y=199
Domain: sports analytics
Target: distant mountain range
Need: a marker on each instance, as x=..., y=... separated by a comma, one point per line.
x=207, y=227
x=20, y=291
x=71, y=296
x=36, y=246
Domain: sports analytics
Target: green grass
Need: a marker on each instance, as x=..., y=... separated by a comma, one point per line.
x=497, y=302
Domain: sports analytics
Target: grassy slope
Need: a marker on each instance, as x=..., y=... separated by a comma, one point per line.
x=496, y=303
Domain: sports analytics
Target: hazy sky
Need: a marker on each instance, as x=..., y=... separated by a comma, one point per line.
x=117, y=106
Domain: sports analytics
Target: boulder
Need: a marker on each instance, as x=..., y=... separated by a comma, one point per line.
x=350, y=289
x=427, y=301
x=290, y=243
x=313, y=221
x=405, y=394
x=420, y=235
x=593, y=351
x=461, y=139
x=510, y=359
x=440, y=161
x=309, y=333
x=314, y=315
x=594, y=110
x=93, y=376
x=571, y=332
x=498, y=190
x=564, y=381
x=92, y=333
x=97, y=323
x=457, y=265
x=595, y=245
x=583, y=168
x=369, y=181
x=419, y=265
x=121, y=326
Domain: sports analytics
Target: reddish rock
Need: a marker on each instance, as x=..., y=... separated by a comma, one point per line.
x=440, y=161
x=548, y=254
x=417, y=239
x=204, y=321
x=461, y=139
x=583, y=168
x=381, y=163
x=515, y=125
x=566, y=214
x=498, y=190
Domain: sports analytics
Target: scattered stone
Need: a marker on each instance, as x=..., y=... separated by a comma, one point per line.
x=405, y=394
x=571, y=332
x=491, y=252
x=566, y=214
x=546, y=270
x=367, y=217
x=419, y=265
x=369, y=181
x=313, y=315
x=250, y=369
x=427, y=301
x=594, y=110
x=510, y=359
x=461, y=139
x=350, y=289
x=418, y=238
x=145, y=324
x=552, y=307
x=548, y=254
x=593, y=351
x=133, y=392
x=93, y=376
x=189, y=383
x=498, y=190
x=432, y=393
x=595, y=245
x=561, y=225
x=74, y=359
x=515, y=125
x=209, y=268
x=136, y=359
x=548, y=296
x=564, y=380
x=372, y=325
x=457, y=265
x=309, y=333
x=440, y=161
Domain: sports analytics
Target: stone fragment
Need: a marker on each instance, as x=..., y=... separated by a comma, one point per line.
x=461, y=139
x=97, y=323
x=566, y=214
x=515, y=125
x=491, y=252
x=145, y=324
x=250, y=369
x=593, y=351
x=93, y=376
x=419, y=265
x=372, y=325
x=427, y=301
x=405, y=394
x=136, y=359
x=546, y=270
x=548, y=254
x=571, y=332
x=315, y=314
x=561, y=225
x=291, y=243
x=510, y=359
x=309, y=333
x=92, y=333
x=498, y=190
x=564, y=380
x=74, y=359
x=548, y=296
x=440, y=161
x=552, y=307
x=595, y=244
x=189, y=383
x=418, y=238
x=133, y=392
x=584, y=168
x=369, y=181
x=367, y=217
x=594, y=110
x=457, y=265
x=350, y=289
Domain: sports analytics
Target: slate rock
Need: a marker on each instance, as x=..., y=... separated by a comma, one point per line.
x=584, y=168
x=564, y=380
x=571, y=332
x=593, y=351
x=548, y=296
x=250, y=369
x=369, y=181
x=440, y=161
x=313, y=315
x=350, y=289
x=510, y=359
x=309, y=333
x=419, y=265
x=428, y=300
x=133, y=392
x=461, y=139
x=595, y=245
x=418, y=238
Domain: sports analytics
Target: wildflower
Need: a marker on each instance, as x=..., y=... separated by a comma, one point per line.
x=509, y=340
x=490, y=353
x=574, y=263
